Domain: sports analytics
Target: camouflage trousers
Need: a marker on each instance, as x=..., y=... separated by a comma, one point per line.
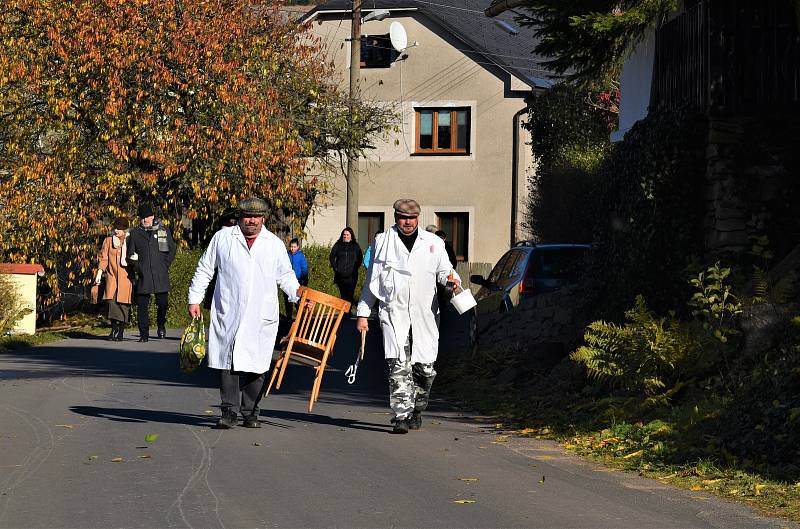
x=409, y=384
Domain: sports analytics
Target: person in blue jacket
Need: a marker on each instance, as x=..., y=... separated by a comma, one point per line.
x=300, y=266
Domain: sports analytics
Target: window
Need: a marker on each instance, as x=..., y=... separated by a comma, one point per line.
x=377, y=51
x=456, y=227
x=369, y=224
x=442, y=130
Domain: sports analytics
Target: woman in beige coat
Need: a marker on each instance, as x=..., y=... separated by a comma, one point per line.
x=119, y=288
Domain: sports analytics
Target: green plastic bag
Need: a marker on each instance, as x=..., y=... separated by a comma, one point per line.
x=193, y=346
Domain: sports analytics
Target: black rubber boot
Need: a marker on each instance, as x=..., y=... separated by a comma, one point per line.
x=227, y=420
x=162, y=332
x=113, y=335
x=120, y=330
x=415, y=422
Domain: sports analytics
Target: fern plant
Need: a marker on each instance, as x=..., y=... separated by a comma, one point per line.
x=645, y=354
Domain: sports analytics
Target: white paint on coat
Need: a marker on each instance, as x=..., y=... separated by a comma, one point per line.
x=244, y=311
x=405, y=286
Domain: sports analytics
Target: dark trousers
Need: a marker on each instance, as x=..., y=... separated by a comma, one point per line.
x=143, y=304
x=347, y=288
x=240, y=391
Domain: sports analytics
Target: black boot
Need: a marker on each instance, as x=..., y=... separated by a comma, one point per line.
x=144, y=335
x=400, y=426
x=415, y=422
x=120, y=330
x=227, y=420
x=113, y=333
x=162, y=332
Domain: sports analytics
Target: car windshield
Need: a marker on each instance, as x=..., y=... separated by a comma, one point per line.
x=551, y=263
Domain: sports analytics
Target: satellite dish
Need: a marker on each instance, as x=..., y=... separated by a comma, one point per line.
x=398, y=36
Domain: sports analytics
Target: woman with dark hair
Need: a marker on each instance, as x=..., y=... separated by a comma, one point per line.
x=119, y=288
x=345, y=259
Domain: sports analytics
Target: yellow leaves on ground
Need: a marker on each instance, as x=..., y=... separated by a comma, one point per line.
x=463, y=502
x=468, y=480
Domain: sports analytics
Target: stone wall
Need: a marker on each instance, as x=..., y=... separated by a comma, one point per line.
x=552, y=323
x=751, y=182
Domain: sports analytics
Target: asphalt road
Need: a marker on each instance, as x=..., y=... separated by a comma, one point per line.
x=74, y=417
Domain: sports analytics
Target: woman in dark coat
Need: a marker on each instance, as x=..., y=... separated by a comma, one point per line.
x=345, y=259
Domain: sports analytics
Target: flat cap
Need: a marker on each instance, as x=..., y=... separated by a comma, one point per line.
x=407, y=207
x=252, y=206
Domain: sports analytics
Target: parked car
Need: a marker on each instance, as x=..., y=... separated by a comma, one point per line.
x=527, y=269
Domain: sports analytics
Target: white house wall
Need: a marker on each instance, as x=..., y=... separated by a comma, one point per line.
x=433, y=74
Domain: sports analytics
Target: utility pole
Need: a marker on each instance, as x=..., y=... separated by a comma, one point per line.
x=355, y=95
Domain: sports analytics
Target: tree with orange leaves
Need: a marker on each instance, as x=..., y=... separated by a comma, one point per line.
x=190, y=105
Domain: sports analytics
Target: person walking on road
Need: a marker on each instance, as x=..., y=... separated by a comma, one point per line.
x=407, y=263
x=345, y=258
x=300, y=266
x=151, y=250
x=251, y=264
x=118, y=290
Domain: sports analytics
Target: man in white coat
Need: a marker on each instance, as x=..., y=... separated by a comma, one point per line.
x=407, y=263
x=251, y=263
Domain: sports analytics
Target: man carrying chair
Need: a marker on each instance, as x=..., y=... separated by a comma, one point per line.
x=251, y=263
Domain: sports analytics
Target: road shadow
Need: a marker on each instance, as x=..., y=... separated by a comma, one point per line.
x=338, y=422
x=139, y=415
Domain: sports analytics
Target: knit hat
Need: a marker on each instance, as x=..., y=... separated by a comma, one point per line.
x=145, y=210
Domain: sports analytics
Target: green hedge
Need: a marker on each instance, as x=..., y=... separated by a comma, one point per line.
x=651, y=204
x=182, y=269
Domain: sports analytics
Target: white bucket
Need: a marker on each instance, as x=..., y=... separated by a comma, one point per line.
x=463, y=301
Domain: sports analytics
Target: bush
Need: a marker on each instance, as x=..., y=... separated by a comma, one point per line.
x=570, y=142
x=12, y=308
x=651, y=200
x=647, y=354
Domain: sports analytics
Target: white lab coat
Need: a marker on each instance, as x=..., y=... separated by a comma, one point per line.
x=404, y=284
x=244, y=311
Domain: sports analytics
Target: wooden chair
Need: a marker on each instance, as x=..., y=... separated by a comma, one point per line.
x=312, y=336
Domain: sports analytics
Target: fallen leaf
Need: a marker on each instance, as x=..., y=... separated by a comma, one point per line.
x=482, y=447
x=144, y=456
x=209, y=411
x=69, y=426
x=542, y=480
x=256, y=443
x=757, y=488
x=711, y=481
x=468, y=479
x=669, y=476
x=696, y=487
x=633, y=454
x=150, y=438
x=91, y=458
x=455, y=438
x=116, y=460
x=463, y=502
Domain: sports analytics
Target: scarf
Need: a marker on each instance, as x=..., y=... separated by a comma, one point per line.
x=116, y=243
x=389, y=266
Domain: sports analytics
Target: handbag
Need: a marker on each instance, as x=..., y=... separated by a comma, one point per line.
x=193, y=346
